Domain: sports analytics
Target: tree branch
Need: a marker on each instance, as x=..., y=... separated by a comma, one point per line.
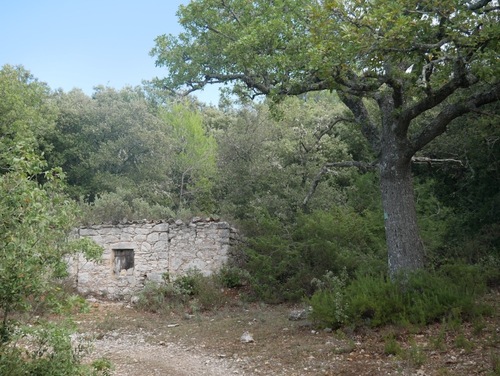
x=360, y=112
x=362, y=166
x=434, y=98
x=430, y=161
x=235, y=16
x=437, y=126
x=218, y=32
x=322, y=132
x=478, y=4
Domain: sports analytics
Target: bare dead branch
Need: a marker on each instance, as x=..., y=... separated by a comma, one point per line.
x=430, y=161
x=479, y=4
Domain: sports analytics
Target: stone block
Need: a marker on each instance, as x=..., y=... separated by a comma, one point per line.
x=153, y=237
x=160, y=246
x=161, y=227
x=140, y=238
x=88, y=232
x=107, y=239
x=146, y=247
x=142, y=231
x=83, y=278
x=155, y=277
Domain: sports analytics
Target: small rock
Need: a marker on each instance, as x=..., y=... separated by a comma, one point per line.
x=305, y=325
x=298, y=314
x=246, y=338
x=134, y=300
x=451, y=359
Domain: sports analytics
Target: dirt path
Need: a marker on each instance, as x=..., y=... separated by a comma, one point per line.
x=141, y=343
x=131, y=355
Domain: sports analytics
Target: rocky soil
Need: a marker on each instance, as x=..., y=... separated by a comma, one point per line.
x=141, y=343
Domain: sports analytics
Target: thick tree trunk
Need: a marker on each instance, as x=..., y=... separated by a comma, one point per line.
x=390, y=141
x=405, y=248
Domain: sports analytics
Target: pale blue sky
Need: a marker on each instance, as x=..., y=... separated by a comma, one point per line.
x=85, y=43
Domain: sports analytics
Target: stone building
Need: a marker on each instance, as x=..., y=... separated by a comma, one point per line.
x=135, y=253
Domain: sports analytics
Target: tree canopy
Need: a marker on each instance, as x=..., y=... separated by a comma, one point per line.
x=36, y=216
x=405, y=70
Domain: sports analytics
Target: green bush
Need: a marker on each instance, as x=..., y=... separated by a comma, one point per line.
x=192, y=291
x=419, y=299
x=47, y=349
x=283, y=259
x=113, y=207
x=340, y=239
x=233, y=277
x=330, y=302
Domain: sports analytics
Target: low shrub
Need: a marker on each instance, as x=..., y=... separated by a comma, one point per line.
x=419, y=299
x=116, y=206
x=233, y=277
x=47, y=349
x=192, y=291
x=330, y=302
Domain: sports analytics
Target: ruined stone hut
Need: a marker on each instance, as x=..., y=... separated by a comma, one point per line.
x=135, y=253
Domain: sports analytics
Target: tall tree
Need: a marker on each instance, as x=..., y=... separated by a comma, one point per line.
x=193, y=157
x=35, y=218
x=104, y=141
x=404, y=69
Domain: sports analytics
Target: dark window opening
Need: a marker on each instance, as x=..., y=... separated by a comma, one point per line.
x=123, y=259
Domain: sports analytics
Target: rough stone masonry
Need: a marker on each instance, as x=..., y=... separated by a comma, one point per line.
x=135, y=253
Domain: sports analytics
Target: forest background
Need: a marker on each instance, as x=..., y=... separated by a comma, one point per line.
x=313, y=229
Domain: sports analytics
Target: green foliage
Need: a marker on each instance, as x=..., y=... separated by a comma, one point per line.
x=391, y=346
x=193, y=292
x=272, y=262
x=282, y=260
x=121, y=205
x=124, y=142
x=35, y=223
x=269, y=162
x=47, y=349
x=404, y=70
x=416, y=355
x=233, y=277
x=495, y=364
x=338, y=239
x=469, y=189
x=461, y=342
x=62, y=300
x=419, y=299
x=36, y=218
x=329, y=302
x=434, y=218
x=25, y=115
x=194, y=157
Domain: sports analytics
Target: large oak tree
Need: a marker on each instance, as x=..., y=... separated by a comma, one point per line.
x=404, y=69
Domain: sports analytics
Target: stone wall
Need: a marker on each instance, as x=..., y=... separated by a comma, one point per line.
x=135, y=253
